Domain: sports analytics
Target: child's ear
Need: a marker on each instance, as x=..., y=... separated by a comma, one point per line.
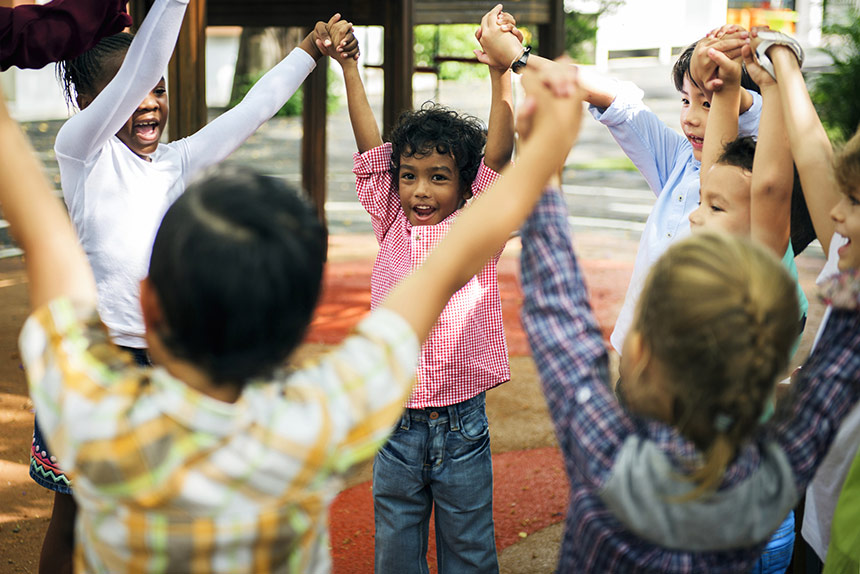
x=150, y=306
x=83, y=101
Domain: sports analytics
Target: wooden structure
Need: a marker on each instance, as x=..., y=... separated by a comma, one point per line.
x=398, y=17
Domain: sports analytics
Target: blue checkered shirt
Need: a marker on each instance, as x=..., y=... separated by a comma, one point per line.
x=591, y=426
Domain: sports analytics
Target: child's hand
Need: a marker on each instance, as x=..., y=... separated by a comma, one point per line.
x=335, y=39
x=758, y=74
x=704, y=68
x=499, y=47
x=550, y=107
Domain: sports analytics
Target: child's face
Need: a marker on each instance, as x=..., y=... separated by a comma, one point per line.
x=724, y=201
x=694, y=116
x=429, y=187
x=142, y=132
x=846, y=216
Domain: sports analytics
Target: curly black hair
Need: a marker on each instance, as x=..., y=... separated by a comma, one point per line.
x=434, y=127
x=84, y=74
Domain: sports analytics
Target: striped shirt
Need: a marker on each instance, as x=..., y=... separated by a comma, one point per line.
x=466, y=353
x=171, y=480
x=624, y=471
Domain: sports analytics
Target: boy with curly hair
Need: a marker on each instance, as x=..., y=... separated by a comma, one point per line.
x=438, y=458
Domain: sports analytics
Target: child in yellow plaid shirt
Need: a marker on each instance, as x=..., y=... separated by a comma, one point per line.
x=218, y=459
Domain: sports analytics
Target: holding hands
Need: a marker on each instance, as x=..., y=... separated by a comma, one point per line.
x=335, y=38
x=716, y=61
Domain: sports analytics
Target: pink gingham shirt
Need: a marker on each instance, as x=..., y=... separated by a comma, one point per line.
x=466, y=352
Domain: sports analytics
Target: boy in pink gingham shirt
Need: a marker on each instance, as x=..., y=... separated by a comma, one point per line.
x=439, y=455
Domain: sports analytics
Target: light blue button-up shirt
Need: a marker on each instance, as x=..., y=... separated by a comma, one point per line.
x=665, y=158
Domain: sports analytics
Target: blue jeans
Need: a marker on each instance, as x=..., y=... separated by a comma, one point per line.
x=437, y=459
x=777, y=554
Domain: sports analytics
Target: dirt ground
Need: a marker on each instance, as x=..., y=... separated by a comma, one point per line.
x=516, y=410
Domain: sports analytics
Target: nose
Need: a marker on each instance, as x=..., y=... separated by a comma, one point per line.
x=150, y=102
x=838, y=212
x=692, y=117
x=696, y=217
x=421, y=190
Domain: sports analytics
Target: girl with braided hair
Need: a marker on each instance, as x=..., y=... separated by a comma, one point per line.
x=118, y=181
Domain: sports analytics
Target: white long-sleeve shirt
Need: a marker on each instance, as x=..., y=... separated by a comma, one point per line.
x=115, y=198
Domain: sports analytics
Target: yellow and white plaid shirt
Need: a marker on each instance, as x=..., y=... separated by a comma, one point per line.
x=170, y=480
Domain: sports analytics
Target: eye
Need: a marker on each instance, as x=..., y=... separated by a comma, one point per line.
x=439, y=177
x=716, y=208
x=159, y=91
x=706, y=105
x=685, y=102
x=854, y=201
x=407, y=176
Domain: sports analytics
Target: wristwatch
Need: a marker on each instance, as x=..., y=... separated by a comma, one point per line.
x=519, y=63
x=770, y=38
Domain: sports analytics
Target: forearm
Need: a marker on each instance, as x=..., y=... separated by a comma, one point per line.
x=597, y=90
x=722, y=125
x=56, y=265
x=500, y=130
x=225, y=134
x=810, y=146
x=364, y=125
x=772, y=177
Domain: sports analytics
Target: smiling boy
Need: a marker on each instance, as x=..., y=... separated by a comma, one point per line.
x=438, y=458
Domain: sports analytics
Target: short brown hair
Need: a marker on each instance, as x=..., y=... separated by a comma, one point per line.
x=846, y=165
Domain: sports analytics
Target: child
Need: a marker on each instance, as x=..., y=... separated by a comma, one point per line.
x=746, y=190
x=439, y=455
x=34, y=36
x=831, y=191
x=713, y=328
x=217, y=461
x=118, y=180
x=669, y=161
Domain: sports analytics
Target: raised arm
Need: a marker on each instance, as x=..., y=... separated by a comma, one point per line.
x=484, y=226
x=56, y=265
x=141, y=70
x=33, y=36
x=364, y=126
x=773, y=168
x=227, y=132
x=725, y=88
x=810, y=146
x=500, y=129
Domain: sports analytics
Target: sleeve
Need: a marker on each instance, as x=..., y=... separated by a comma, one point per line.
x=484, y=179
x=223, y=135
x=749, y=120
x=567, y=345
x=144, y=65
x=366, y=382
x=374, y=185
x=71, y=366
x=827, y=389
x=33, y=36
x=650, y=144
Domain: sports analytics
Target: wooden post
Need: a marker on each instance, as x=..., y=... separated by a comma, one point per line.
x=552, y=37
x=314, y=136
x=399, y=60
x=186, y=76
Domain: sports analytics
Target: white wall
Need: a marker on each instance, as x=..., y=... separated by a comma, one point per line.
x=660, y=24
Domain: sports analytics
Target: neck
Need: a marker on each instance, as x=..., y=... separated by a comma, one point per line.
x=190, y=374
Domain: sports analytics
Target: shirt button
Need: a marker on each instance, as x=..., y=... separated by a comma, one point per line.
x=668, y=235
x=417, y=237
x=680, y=198
x=434, y=415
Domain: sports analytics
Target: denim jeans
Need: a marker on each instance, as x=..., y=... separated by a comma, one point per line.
x=777, y=553
x=437, y=459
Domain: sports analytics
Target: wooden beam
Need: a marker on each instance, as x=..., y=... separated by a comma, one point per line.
x=399, y=60
x=186, y=76
x=551, y=35
x=314, y=136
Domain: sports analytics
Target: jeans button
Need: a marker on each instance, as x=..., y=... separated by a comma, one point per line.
x=434, y=415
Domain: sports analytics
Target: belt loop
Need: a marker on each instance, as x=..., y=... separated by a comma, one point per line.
x=405, y=419
x=454, y=416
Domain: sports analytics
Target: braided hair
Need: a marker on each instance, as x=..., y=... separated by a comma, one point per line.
x=720, y=315
x=88, y=73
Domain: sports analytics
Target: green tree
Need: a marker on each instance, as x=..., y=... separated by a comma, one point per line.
x=835, y=91
x=581, y=30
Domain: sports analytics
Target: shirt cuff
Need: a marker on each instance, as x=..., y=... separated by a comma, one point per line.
x=374, y=160
x=628, y=96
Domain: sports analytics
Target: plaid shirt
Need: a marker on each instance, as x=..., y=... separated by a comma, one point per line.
x=170, y=480
x=591, y=426
x=466, y=352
